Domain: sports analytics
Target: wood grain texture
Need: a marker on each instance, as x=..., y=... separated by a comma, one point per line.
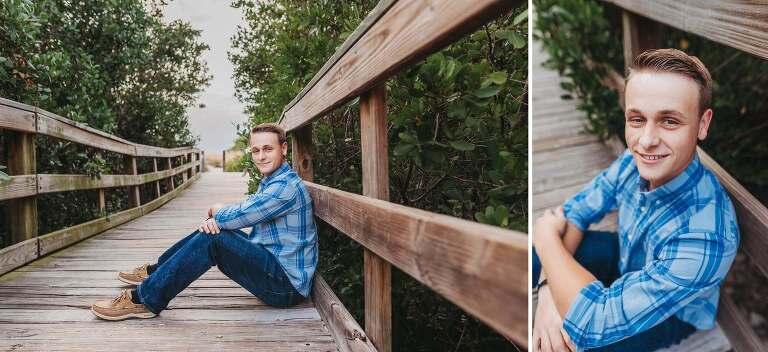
x=20, y=213
x=45, y=304
x=18, y=187
x=737, y=328
x=16, y=255
x=377, y=273
x=56, y=126
x=345, y=330
x=739, y=24
x=406, y=33
x=15, y=119
x=301, y=152
x=640, y=34
x=134, y=198
x=157, y=183
x=452, y=256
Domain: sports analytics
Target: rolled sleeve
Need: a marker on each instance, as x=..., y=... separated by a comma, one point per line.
x=687, y=266
x=276, y=199
x=598, y=197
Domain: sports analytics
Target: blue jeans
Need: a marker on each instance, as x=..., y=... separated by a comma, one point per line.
x=599, y=253
x=245, y=262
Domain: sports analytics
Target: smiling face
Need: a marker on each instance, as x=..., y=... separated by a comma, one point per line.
x=663, y=123
x=267, y=152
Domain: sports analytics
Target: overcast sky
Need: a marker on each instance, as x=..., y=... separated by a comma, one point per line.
x=218, y=21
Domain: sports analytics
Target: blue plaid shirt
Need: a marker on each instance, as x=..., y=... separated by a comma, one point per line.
x=280, y=214
x=677, y=243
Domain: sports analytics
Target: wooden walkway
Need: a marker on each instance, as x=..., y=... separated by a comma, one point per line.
x=45, y=305
x=565, y=158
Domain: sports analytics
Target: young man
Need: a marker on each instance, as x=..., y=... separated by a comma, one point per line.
x=275, y=262
x=657, y=280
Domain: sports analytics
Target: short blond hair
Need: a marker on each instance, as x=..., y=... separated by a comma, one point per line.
x=271, y=127
x=676, y=61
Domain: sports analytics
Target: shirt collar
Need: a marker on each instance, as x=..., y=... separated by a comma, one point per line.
x=280, y=170
x=685, y=180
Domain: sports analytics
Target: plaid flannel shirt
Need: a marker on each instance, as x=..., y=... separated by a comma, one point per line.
x=676, y=242
x=280, y=214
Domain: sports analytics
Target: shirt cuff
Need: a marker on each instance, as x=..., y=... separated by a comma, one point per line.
x=573, y=219
x=577, y=319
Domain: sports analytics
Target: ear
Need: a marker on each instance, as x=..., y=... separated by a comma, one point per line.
x=706, y=118
x=284, y=147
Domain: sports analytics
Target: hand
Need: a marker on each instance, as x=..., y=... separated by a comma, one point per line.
x=548, y=333
x=210, y=226
x=552, y=223
x=214, y=208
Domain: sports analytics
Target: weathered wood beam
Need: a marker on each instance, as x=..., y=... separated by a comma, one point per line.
x=375, y=163
x=347, y=333
x=18, y=187
x=483, y=269
x=406, y=33
x=134, y=198
x=739, y=24
x=48, y=183
x=21, y=213
x=640, y=34
x=301, y=152
x=157, y=183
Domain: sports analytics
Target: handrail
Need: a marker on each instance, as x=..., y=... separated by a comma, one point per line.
x=738, y=24
x=742, y=26
x=454, y=257
x=395, y=35
x=22, y=122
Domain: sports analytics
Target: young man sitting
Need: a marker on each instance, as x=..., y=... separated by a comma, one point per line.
x=657, y=280
x=275, y=262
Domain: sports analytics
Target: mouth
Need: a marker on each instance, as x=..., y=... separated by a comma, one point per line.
x=651, y=158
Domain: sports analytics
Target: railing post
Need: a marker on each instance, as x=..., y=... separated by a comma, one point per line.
x=301, y=152
x=157, y=183
x=133, y=191
x=202, y=160
x=184, y=175
x=223, y=160
x=102, y=195
x=169, y=164
x=640, y=34
x=21, y=213
x=377, y=271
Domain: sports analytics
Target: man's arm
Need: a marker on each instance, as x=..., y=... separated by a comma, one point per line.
x=276, y=200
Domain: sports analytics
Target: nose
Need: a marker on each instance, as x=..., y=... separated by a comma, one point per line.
x=649, y=137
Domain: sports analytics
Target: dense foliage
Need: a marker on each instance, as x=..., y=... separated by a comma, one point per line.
x=117, y=66
x=457, y=136
x=578, y=31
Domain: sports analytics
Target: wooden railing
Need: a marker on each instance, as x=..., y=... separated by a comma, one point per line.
x=482, y=269
x=741, y=25
x=20, y=124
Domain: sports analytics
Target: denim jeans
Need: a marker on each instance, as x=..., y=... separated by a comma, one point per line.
x=247, y=263
x=599, y=253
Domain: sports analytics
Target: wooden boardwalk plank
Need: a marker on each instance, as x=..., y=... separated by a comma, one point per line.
x=45, y=305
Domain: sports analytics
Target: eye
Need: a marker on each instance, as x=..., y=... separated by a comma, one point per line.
x=669, y=122
x=636, y=120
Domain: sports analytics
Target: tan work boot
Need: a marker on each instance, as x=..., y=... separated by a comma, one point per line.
x=121, y=308
x=134, y=277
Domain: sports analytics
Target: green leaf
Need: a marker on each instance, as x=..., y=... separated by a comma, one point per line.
x=462, y=146
x=520, y=18
x=518, y=42
x=4, y=177
x=504, y=35
x=487, y=92
x=405, y=137
x=498, y=77
x=403, y=148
